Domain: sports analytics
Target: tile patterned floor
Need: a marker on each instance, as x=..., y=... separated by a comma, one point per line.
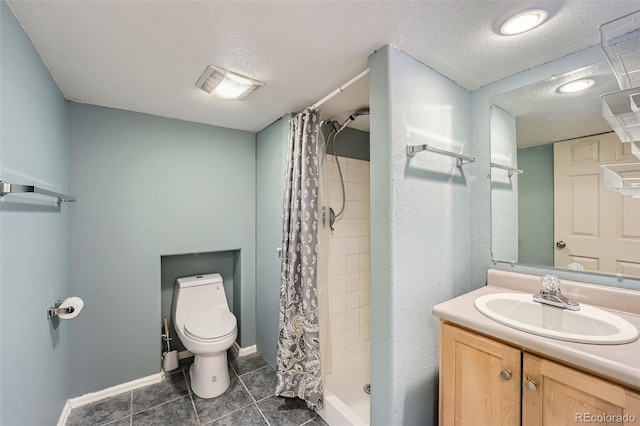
x=249, y=401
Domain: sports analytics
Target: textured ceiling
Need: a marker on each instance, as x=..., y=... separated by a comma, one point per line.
x=543, y=115
x=145, y=56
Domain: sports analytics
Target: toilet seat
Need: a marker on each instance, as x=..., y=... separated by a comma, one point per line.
x=210, y=325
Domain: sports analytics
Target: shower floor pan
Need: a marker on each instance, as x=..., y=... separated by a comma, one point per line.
x=345, y=401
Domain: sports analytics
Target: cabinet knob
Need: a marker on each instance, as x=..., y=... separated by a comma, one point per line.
x=506, y=374
x=530, y=385
x=561, y=244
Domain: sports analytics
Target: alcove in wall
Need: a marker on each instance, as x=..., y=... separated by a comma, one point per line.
x=226, y=263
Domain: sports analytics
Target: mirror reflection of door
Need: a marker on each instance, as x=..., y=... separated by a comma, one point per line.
x=596, y=228
x=564, y=215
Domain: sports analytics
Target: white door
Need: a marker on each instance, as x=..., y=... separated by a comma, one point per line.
x=594, y=226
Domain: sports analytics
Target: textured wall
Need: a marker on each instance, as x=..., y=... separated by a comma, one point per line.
x=420, y=222
x=148, y=187
x=271, y=157
x=535, y=206
x=33, y=237
x=479, y=184
x=504, y=188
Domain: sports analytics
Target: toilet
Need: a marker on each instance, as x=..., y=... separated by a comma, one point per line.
x=207, y=328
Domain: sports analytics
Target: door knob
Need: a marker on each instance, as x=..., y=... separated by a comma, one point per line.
x=506, y=374
x=530, y=385
x=561, y=244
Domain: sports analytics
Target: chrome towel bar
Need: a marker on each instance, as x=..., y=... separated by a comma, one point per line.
x=512, y=170
x=460, y=159
x=12, y=188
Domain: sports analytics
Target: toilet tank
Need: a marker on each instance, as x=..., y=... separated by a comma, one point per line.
x=200, y=292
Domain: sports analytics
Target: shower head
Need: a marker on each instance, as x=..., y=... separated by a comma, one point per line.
x=357, y=113
x=361, y=111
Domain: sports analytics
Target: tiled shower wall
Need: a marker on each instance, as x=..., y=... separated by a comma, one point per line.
x=349, y=277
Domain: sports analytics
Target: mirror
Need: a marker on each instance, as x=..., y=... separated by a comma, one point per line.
x=549, y=206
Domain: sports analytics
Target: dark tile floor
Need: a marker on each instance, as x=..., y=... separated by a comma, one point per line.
x=250, y=400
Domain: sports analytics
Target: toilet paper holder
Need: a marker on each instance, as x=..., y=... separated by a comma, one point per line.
x=56, y=310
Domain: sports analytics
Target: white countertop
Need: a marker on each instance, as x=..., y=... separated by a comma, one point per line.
x=618, y=362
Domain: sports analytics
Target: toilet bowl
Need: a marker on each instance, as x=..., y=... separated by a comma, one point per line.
x=205, y=326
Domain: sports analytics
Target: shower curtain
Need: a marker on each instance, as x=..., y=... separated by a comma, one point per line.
x=298, y=353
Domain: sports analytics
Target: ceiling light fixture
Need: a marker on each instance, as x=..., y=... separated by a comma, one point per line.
x=576, y=85
x=523, y=22
x=225, y=84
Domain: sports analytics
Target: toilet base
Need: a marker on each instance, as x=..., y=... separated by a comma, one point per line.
x=210, y=375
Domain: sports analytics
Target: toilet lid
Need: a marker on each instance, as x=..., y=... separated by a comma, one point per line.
x=210, y=323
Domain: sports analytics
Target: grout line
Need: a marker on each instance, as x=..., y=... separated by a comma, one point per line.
x=158, y=405
x=309, y=421
x=186, y=380
x=247, y=389
x=233, y=369
x=262, y=414
x=253, y=371
x=266, y=397
x=110, y=422
x=193, y=403
x=254, y=401
x=228, y=414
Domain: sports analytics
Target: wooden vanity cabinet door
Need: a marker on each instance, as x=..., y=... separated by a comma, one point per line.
x=472, y=391
x=565, y=396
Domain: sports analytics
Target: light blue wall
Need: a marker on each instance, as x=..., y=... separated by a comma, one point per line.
x=535, y=206
x=479, y=185
x=271, y=157
x=147, y=187
x=33, y=238
x=420, y=222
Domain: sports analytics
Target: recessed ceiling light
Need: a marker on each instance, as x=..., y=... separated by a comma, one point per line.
x=576, y=85
x=523, y=21
x=225, y=84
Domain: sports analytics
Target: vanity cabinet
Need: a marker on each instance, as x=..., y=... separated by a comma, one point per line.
x=479, y=379
x=486, y=382
x=554, y=394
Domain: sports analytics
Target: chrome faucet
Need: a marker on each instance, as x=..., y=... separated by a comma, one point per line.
x=550, y=294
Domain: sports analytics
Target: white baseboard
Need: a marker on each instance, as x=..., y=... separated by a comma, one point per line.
x=65, y=414
x=245, y=351
x=114, y=390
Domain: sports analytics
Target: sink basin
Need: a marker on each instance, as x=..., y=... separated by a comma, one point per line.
x=588, y=325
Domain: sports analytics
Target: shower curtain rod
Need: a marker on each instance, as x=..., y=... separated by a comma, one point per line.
x=339, y=89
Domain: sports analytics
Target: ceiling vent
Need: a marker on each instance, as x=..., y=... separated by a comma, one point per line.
x=227, y=85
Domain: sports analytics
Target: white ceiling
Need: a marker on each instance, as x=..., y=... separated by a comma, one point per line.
x=145, y=56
